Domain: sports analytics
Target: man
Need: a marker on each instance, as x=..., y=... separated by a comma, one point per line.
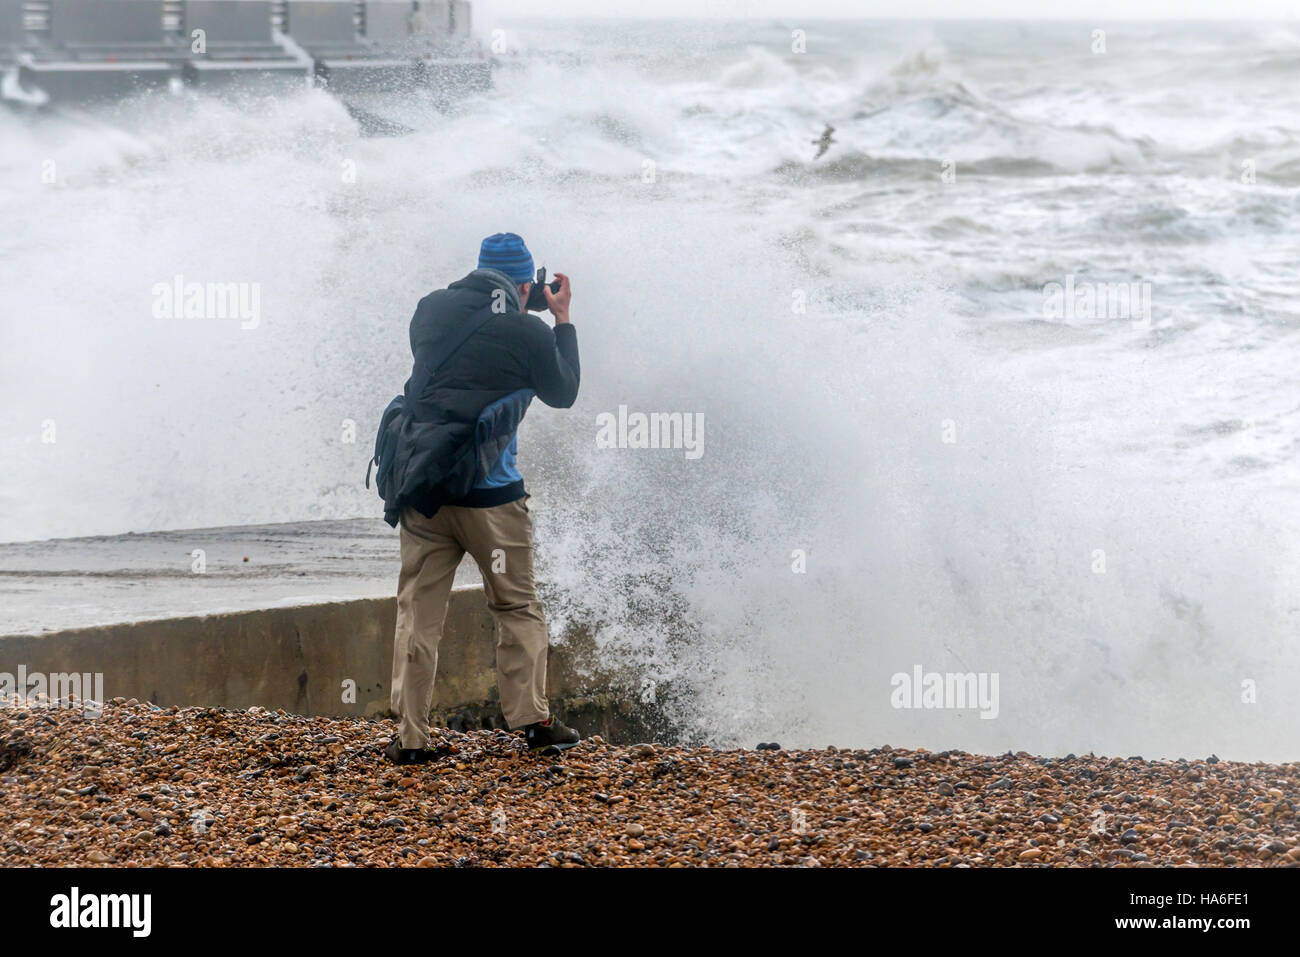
x=479, y=359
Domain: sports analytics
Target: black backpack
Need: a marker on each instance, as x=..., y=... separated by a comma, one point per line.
x=390, y=427
x=396, y=415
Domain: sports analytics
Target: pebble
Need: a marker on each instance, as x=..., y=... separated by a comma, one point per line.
x=75, y=793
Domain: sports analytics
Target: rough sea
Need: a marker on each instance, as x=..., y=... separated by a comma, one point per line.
x=1004, y=383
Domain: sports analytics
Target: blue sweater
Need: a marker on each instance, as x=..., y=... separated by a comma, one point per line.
x=505, y=472
x=496, y=437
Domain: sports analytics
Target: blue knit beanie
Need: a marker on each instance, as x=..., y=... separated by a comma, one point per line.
x=507, y=253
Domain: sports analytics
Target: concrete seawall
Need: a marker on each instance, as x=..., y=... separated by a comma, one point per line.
x=330, y=659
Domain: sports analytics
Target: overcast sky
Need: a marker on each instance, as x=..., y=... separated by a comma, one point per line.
x=908, y=9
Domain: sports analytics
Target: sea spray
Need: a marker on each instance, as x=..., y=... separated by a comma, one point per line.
x=918, y=467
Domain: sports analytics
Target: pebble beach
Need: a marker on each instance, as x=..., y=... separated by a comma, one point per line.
x=141, y=786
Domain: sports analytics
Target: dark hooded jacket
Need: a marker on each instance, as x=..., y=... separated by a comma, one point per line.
x=454, y=423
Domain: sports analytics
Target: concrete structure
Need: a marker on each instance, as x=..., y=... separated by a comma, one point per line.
x=237, y=46
x=76, y=583
x=461, y=20
x=90, y=49
x=329, y=659
x=12, y=31
x=442, y=18
x=101, y=48
x=388, y=22
x=346, y=60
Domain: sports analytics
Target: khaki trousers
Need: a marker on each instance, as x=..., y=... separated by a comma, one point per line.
x=500, y=539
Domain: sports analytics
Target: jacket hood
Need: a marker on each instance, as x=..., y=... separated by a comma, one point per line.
x=487, y=280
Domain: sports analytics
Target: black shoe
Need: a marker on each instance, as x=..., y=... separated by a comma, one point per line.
x=400, y=755
x=550, y=736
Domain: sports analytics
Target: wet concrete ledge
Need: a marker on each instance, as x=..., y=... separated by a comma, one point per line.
x=333, y=658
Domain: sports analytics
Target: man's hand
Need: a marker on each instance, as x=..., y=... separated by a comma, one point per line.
x=558, y=302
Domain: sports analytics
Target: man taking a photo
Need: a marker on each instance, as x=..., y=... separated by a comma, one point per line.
x=449, y=478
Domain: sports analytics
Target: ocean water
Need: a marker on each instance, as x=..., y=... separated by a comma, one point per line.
x=909, y=457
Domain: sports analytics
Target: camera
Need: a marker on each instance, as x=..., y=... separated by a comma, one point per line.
x=536, y=295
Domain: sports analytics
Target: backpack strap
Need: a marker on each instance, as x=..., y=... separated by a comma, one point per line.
x=425, y=368
x=437, y=355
